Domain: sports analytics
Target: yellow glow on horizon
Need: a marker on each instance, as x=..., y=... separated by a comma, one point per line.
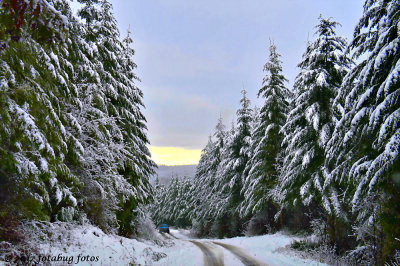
x=174, y=155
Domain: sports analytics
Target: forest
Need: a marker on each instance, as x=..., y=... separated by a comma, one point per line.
x=320, y=158
x=72, y=135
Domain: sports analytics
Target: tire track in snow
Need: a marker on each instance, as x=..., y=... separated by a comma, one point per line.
x=173, y=235
x=241, y=255
x=210, y=258
x=166, y=236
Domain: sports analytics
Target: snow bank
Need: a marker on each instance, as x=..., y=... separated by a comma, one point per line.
x=88, y=245
x=266, y=249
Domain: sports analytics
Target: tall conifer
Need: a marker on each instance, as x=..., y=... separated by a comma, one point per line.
x=266, y=138
x=310, y=123
x=365, y=146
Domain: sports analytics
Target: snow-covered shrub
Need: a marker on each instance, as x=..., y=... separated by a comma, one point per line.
x=362, y=255
x=70, y=239
x=318, y=227
x=14, y=253
x=97, y=207
x=216, y=229
x=259, y=224
x=296, y=219
x=9, y=230
x=197, y=228
x=309, y=247
x=13, y=247
x=146, y=228
x=152, y=255
x=327, y=254
x=307, y=244
x=67, y=214
x=315, y=248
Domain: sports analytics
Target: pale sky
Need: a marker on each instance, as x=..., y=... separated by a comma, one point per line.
x=194, y=57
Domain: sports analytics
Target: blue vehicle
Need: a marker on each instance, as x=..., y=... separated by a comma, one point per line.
x=164, y=228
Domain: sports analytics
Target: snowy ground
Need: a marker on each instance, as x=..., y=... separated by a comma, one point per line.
x=88, y=245
x=264, y=249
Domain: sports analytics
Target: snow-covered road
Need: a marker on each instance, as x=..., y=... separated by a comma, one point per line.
x=214, y=256
x=241, y=255
x=211, y=258
x=188, y=251
x=259, y=250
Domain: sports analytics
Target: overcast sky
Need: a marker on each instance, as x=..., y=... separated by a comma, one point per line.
x=194, y=57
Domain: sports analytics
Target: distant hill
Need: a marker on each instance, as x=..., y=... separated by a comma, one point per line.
x=165, y=172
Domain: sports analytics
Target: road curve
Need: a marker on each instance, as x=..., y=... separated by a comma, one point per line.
x=241, y=255
x=210, y=258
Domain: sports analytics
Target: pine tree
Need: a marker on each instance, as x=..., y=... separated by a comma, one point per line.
x=35, y=87
x=365, y=145
x=92, y=127
x=310, y=122
x=172, y=202
x=219, y=134
x=229, y=179
x=202, y=211
x=133, y=123
x=123, y=123
x=205, y=174
x=262, y=172
x=72, y=115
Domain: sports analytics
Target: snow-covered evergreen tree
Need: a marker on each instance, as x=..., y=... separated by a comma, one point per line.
x=229, y=180
x=310, y=122
x=91, y=127
x=71, y=113
x=171, y=203
x=219, y=135
x=203, y=180
x=202, y=211
x=365, y=146
x=261, y=170
x=34, y=141
x=123, y=123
